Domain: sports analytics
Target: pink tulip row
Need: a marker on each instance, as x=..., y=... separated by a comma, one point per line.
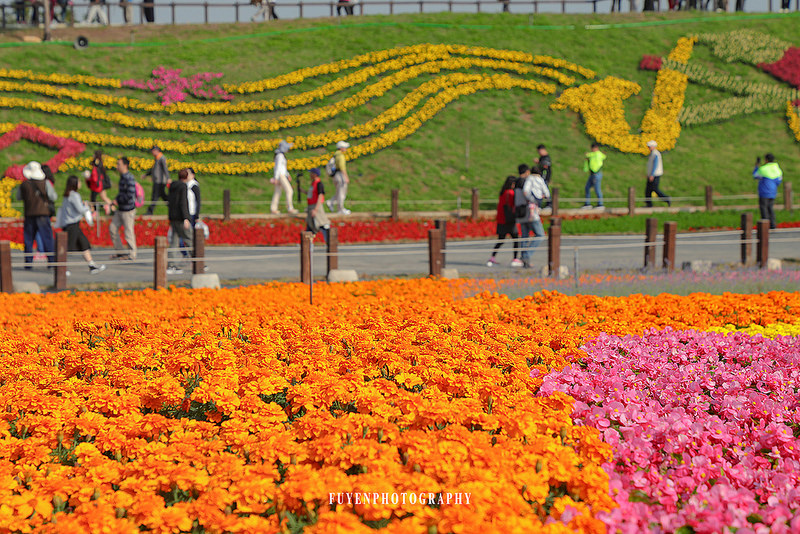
x=704, y=428
x=173, y=88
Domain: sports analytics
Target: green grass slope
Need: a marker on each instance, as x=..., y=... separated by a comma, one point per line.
x=476, y=140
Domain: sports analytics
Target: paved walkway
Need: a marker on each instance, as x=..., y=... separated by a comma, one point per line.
x=234, y=265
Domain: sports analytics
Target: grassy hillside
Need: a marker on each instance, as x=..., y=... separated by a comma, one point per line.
x=497, y=129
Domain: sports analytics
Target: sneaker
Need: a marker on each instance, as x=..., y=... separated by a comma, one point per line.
x=517, y=263
x=329, y=203
x=586, y=207
x=526, y=265
x=491, y=262
x=344, y=211
x=601, y=207
x=174, y=270
x=293, y=211
x=94, y=269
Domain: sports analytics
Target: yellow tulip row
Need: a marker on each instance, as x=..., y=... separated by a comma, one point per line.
x=411, y=124
x=279, y=123
x=793, y=117
x=392, y=114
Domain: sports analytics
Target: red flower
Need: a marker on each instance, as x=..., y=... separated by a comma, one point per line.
x=67, y=148
x=651, y=62
x=786, y=68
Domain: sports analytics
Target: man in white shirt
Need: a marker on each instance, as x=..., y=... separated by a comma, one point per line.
x=281, y=179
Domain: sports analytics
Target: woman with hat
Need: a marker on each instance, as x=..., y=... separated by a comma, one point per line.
x=281, y=179
x=340, y=178
x=35, y=192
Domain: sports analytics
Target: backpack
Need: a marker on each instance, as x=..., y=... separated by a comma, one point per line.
x=95, y=181
x=520, y=203
x=139, y=200
x=330, y=167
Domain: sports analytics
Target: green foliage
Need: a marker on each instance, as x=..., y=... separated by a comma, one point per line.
x=498, y=129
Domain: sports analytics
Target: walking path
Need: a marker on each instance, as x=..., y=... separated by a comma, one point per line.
x=595, y=253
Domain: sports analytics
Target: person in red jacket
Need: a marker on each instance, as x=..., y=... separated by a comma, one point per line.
x=506, y=222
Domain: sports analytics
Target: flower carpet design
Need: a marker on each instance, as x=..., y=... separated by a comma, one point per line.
x=246, y=409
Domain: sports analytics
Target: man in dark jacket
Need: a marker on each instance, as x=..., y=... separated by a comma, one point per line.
x=179, y=218
x=125, y=214
x=34, y=193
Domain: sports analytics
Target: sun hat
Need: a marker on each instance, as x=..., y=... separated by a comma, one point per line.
x=315, y=171
x=342, y=144
x=33, y=171
x=652, y=144
x=283, y=147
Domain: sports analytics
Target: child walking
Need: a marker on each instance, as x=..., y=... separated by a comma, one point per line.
x=506, y=222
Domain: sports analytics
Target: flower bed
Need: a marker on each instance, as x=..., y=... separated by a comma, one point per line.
x=250, y=410
x=704, y=428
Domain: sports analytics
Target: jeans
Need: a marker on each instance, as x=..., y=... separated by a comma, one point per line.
x=594, y=182
x=38, y=224
x=526, y=229
x=765, y=206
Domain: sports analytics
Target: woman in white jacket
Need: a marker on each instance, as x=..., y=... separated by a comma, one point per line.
x=281, y=179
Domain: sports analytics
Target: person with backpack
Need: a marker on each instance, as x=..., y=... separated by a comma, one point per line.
x=337, y=169
x=769, y=177
x=98, y=181
x=316, y=218
x=69, y=217
x=282, y=180
x=125, y=213
x=35, y=192
x=529, y=193
x=179, y=218
x=506, y=221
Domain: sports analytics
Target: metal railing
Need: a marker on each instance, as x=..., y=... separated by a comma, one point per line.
x=24, y=13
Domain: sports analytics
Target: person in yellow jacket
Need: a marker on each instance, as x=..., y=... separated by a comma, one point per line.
x=594, y=165
x=769, y=177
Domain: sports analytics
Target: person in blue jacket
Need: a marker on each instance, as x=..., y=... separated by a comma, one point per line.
x=769, y=177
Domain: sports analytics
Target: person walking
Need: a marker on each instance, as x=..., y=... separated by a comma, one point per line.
x=506, y=222
x=769, y=177
x=179, y=219
x=35, y=192
x=125, y=213
x=98, y=181
x=266, y=8
x=594, y=164
x=149, y=11
x=337, y=168
x=544, y=164
x=160, y=175
x=655, y=170
x=282, y=180
x=69, y=216
x=193, y=196
x=316, y=218
x=529, y=193
x=96, y=13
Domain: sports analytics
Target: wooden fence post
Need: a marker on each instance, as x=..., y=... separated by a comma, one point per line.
x=60, y=276
x=670, y=233
x=435, y=251
x=305, y=257
x=709, y=198
x=631, y=200
x=787, y=196
x=650, y=233
x=198, y=265
x=395, y=204
x=160, y=262
x=554, y=202
x=554, y=246
x=6, y=280
x=762, y=232
x=333, y=249
x=226, y=205
x=441, y=224
x=475, y=204
x=747, y=233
